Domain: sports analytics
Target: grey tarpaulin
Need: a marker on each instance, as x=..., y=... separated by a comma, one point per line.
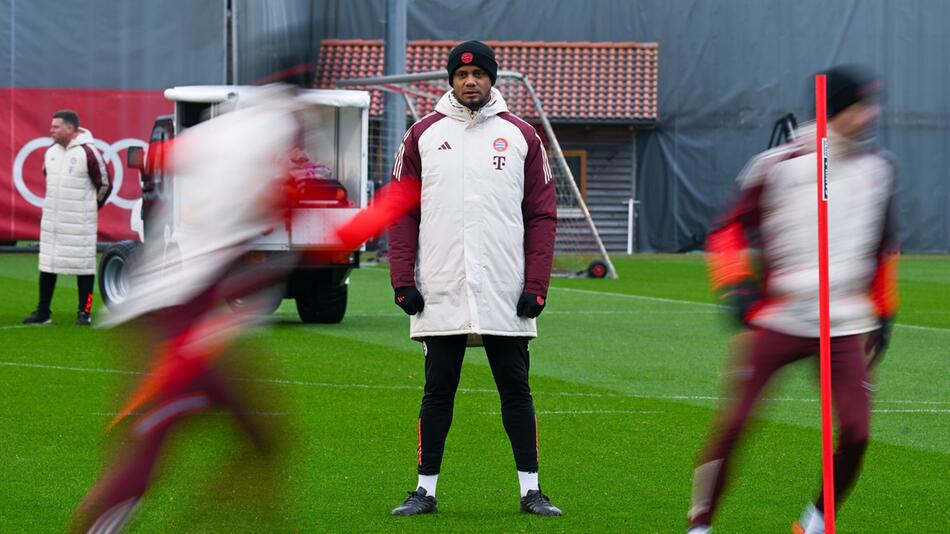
x=111, y=44
x=728, y=70
x=274, y=36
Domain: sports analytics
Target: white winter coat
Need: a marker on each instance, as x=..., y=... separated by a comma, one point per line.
x=487, y=205
x=861, y=186
x=70, y=212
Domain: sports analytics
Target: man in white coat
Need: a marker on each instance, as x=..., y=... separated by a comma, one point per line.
x=473, y=261
x=77, y=186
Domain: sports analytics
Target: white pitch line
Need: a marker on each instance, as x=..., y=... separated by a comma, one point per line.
x=637, y=297
x=710, y=305
x=328, y=384
x=911, y=411
x=614, y=412
x=587, y=412
x=12, y=327
x=394, y=387
x=919, y=327
x=557, y=312
x=677, y=301
x=76, y=369
x=262, y=414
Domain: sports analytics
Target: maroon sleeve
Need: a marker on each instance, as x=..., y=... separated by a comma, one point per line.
x=404, y=234
x=737, y=232
x=732, y=236
x=884, y=283
x=539, y=211
x=98, y=174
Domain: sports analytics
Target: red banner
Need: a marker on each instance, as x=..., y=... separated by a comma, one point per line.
x=117, y=120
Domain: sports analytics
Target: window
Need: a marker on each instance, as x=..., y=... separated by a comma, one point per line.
x=577, y=162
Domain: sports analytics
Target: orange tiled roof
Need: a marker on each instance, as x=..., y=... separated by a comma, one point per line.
x=575, y=81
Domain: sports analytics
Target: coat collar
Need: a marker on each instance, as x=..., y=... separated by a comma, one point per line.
x=450, y=107
x=84, y=138
x=838, y=145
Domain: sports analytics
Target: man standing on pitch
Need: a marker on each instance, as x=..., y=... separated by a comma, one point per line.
x=473, y=262
x=77, y=186
x=777, y=214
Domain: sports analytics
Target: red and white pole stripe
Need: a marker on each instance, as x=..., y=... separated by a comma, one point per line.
x=827, y=432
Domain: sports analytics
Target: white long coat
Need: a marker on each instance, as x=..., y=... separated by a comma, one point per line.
x=476, y=169
x=70, y=212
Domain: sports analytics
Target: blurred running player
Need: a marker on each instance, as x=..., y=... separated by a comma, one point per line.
x=776, y=216
x=235, y=192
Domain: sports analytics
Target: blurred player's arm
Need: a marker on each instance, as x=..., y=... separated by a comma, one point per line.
x=883, y=288
x=731, y=252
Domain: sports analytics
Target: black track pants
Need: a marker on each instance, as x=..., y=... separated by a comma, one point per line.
x=509, y=360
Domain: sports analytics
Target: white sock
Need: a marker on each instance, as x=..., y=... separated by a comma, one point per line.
x=816, y=521
x=528, y=481
x=427, y=482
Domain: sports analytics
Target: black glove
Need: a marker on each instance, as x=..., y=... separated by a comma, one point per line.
x=530, y=305
x=878, y=340
x=409, y=299
x=741, y=298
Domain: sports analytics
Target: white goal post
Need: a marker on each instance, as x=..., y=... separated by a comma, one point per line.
x=579, y=250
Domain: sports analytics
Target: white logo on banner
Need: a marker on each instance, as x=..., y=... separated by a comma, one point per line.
x=109, y=152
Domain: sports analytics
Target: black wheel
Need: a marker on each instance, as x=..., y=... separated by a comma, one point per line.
x=114, y=272
x=268, y=304
x=319, y=300
x=597, y=269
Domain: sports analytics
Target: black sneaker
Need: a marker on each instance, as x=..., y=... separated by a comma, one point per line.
x=83, y=319
x=538, y=503
x=417, y=503
x=38, y=317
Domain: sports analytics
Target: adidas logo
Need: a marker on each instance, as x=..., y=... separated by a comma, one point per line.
x=445, y=146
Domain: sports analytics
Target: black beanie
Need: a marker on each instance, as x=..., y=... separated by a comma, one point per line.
x=849, y=84
x=473, y=53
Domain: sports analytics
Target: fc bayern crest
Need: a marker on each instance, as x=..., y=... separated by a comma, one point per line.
x=500, y=144
x=467, y=57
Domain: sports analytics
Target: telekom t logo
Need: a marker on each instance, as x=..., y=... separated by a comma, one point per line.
x=499, y=162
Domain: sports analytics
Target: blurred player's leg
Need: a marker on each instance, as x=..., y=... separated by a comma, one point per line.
x=109, y=503
x=768, y=352
x=107, y=506
x=853, y=408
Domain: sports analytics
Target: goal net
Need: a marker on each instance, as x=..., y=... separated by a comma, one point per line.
x=579, y=250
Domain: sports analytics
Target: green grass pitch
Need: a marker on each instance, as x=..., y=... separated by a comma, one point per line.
x=625, y=376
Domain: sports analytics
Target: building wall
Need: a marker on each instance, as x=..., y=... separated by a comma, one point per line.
x=610, y=164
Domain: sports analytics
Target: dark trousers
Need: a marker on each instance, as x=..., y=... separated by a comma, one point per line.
x=509, y=361
x=84, y=283
x=768, y=352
